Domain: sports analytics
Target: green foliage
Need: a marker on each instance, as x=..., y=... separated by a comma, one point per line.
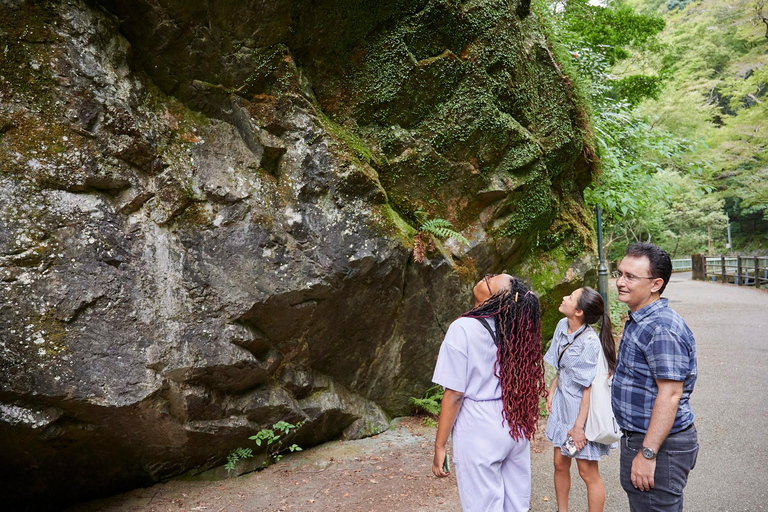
x=718, y=71
x=432, y=229
x=618, y=312
x=442, y=229
x=677, y=4
x=236, y=455
x=543, y=408
x=267, y=437
x=429, y=404
x=664, y=118
x=636, y=88
x=611, y=29
x=691, y=210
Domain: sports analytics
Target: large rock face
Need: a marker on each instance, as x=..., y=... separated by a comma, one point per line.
x=207, y=212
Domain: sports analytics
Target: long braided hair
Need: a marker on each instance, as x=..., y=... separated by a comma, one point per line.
x=519, y=363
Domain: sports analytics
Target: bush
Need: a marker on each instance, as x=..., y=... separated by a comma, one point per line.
x=430, y=404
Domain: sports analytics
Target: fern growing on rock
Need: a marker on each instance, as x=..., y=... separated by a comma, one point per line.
x=429, y=230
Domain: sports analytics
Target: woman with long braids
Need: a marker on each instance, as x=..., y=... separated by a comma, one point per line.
x=491, y=367
x=574, y=354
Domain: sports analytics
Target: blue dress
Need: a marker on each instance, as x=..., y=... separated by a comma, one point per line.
x=577, y=370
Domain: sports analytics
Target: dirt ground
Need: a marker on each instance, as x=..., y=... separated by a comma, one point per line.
x=387, y=472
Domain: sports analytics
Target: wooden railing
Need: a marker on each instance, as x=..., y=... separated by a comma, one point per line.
x=740, y=270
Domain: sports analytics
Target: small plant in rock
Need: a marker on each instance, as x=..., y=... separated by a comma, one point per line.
x=273, y=438
x=429, y=230
x=236, y=455
x=430, y=405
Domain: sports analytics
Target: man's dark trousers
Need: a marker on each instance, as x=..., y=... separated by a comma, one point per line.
x=676, y=458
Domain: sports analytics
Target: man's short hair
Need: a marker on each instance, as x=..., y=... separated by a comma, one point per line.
x=660, y=262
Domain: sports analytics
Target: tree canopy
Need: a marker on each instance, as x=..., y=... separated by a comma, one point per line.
x=677, y=102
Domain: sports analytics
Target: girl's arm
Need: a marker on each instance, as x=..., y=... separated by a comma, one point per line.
x=577, y=432
x=449, y=409
x=551, y=393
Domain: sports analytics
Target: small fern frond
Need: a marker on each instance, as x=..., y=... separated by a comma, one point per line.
x=442, y=229
x=435, y=223
x=236, y=455
x=431, y=401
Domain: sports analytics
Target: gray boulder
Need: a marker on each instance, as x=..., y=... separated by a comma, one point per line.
x=207, y=214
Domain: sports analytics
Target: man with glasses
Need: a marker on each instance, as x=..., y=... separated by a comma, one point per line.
x=654, y=378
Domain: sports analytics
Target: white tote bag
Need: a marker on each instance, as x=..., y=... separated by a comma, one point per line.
x=601, y=426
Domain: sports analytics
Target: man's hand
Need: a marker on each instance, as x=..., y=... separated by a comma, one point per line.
x=642, y=472
x=437, y=462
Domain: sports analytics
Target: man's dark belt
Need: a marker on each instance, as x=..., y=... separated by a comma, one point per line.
x=630, y=433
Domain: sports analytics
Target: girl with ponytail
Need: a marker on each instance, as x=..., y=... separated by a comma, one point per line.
x=490, y=365
x=574, y=354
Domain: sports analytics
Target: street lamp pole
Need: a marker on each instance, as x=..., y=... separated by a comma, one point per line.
x=602, y=270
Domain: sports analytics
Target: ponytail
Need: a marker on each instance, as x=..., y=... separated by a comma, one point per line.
x=591, y=303
x=607, y=342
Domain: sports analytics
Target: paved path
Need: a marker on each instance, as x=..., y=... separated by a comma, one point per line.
x=730, y=402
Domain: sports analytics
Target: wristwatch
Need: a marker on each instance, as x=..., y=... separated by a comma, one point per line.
x=648, y=453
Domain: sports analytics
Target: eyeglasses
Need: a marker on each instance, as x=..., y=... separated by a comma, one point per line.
x=630, y=277
x=487, y=279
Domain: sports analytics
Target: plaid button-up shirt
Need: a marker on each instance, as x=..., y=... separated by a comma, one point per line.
x=657, y=344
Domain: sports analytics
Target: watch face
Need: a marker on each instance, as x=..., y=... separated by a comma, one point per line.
x=648, y=453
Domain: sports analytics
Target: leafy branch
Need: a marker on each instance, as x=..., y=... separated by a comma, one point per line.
x=272, y=438
x=761, y=13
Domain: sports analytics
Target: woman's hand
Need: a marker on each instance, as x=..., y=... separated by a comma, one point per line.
x=437, y=462
x=449, y=409
x=577, y=432
x=579, y=438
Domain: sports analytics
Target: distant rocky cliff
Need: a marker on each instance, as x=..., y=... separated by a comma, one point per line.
x=207, y=212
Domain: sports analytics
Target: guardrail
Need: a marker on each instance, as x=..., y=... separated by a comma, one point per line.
x=740, y=270
x=681, y=265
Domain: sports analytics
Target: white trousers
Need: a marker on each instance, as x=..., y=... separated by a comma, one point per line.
x=493, y=470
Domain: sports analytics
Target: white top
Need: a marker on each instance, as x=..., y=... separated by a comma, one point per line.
x=466, y=360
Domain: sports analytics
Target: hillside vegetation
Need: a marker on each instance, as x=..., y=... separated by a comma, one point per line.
x=676, y=91
x=714, y=59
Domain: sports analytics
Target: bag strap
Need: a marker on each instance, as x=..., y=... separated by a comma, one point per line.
x=562, y=352
x=494, y=335
x=602, y=365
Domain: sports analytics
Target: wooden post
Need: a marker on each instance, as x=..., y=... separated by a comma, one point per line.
x=698, y=267
x=739, y=278
x=757, y=272
x=722, y=266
